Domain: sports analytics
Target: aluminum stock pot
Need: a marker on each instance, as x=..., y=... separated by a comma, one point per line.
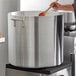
x=35, y=41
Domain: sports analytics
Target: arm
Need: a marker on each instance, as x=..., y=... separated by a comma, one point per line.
x=58, y=6
x=67, y=7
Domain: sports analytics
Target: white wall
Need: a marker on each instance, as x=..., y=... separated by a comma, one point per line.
x=34, y=4
x=39, y=4
x=5, y=7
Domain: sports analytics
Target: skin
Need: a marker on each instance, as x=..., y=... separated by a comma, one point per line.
x=58, y=6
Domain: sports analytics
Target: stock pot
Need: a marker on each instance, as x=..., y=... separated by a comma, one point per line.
x=35, y=41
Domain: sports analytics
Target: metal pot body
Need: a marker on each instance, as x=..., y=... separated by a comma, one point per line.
x=35, y=41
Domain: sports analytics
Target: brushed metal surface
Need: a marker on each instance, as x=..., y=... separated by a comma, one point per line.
x=36, y=41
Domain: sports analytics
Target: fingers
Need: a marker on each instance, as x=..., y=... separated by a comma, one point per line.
x=55, y=8
x=55, y=5
x=52, y=4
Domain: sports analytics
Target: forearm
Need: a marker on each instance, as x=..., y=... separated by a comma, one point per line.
x=67, y=7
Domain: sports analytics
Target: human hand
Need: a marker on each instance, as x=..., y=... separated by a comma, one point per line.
x=56, y=6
